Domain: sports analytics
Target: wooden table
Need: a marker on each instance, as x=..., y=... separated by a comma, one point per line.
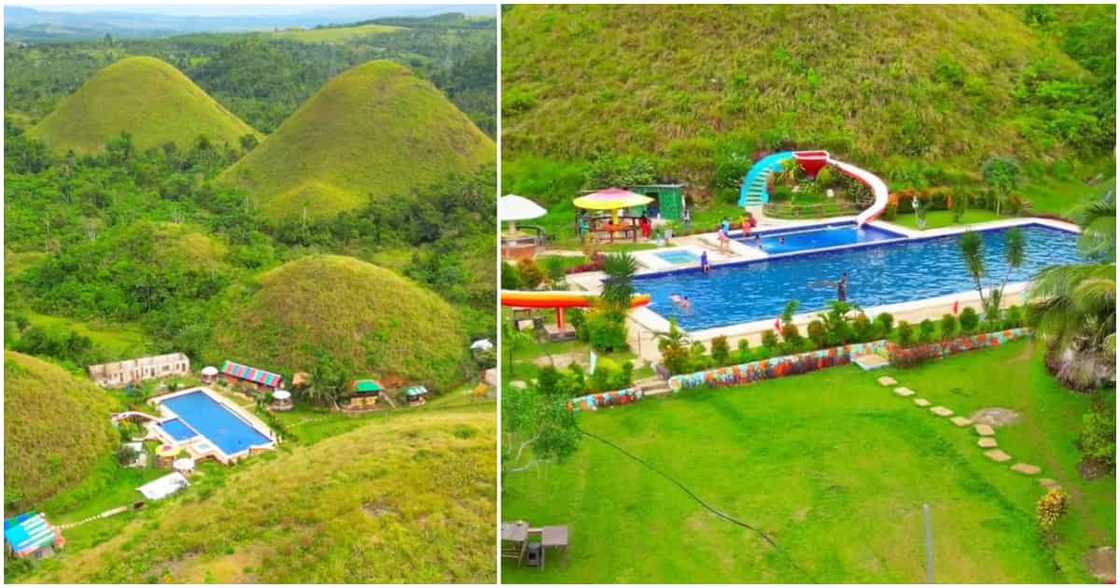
x=625, y=229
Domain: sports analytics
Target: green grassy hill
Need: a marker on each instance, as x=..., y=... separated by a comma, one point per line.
x=375, y=131
x=406, y=499
x=145, y=97
x=382, y=324
x=56, y=428
x=901, y=89
x=332, y=34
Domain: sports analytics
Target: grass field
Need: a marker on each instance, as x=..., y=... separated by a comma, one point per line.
x=149, y=99
x=124, y=340
x=409, y=498
x=376, y=130
x=836, y=469
x=333, y=34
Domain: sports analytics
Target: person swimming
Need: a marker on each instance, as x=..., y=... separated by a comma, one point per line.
x=681, y=301
x=842, y=288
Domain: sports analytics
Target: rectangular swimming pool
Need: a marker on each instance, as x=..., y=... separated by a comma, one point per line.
x=678, y=256
x=218, y=424
x=878, y=274
x=816, y=237
x=178, y=430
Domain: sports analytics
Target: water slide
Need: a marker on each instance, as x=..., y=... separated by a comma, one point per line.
x=559, y=299
x=753, y=192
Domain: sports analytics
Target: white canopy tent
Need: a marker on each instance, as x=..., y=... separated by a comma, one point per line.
x=513, y=208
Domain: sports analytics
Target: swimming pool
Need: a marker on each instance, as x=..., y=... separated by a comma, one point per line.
x=878, y=274
x=178, y=430
x=817, y=237
x=678, y=257
x=218, y=424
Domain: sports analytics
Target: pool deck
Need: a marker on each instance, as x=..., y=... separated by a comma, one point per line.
x=644, y=325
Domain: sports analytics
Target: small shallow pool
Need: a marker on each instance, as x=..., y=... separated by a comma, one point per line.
x=883, y=273
x=816, y=237
x=678, y=256
x=178, y=430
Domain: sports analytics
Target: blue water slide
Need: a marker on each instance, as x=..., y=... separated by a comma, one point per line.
x=753, y=192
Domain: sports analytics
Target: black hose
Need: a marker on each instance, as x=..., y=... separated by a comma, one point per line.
x=769, y=540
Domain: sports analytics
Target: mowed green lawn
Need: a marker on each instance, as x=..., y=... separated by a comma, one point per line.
x=836, y=469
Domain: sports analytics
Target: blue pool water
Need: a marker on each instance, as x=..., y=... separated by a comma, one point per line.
x=215, y=422
x=817, y=237
x=886, y=273
x=178, y=430
x=678, y=257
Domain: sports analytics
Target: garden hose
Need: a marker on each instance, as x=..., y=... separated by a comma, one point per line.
x=769, y=540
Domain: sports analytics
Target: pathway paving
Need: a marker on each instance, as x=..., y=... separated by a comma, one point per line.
x=997, y=455
x=941, y=411
x=922, y=402
x=987, y=442
x=985, y=430
x=961, y=421
x=887, y=381
x=1026, y=469
x=903, y=391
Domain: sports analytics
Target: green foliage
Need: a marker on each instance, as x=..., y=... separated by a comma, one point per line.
x=606, y=330
x=818, y=333
x=674, y=347
x=926, y=330
x=1051, y=507
x=744, y=349
x=618, y=286
x=969, y=320
x=721, y=352
x=511, y=278
x=769, y=340
x=905, y=333
x=948, y=326
x=863, y=328
x=884, y=321
x=531, y=276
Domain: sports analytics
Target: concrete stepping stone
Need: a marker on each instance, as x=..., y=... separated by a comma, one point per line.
x=1026, y=469
x=887, y=381
x=941, y=411
x=904, y=392
x=987, y=442
x=922, y=402
x=961, y=421
x=985, y=430
x=1049, y=483
x=997, y=455
x=871, y=362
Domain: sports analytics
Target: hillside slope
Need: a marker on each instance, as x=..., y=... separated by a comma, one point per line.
x=145, y=97
x=56, y=428
x=375, y=131
x=948, y=84
x=407, y=499
x=381, y=323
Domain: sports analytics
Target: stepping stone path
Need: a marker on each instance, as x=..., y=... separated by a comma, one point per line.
x=985, y=430
x=987, y=442
x=960, y=421
x=887, y=381
x=997, y=455
x=1049, y=483
x=871, y=362
x=922, y=402
x=941, y=411
x=903, y=391
x=1026, y=469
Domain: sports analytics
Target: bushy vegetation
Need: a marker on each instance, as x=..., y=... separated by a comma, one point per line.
x=372, y=133
x=56, y=428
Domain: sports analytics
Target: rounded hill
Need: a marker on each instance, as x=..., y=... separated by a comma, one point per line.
x=380, y=323
x=145, y=97
x=944, y=83
x=56, y=429
x=374, y=131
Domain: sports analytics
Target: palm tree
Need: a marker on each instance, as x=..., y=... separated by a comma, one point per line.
x=1075, y=305
x=972, y=250
x=618, y=287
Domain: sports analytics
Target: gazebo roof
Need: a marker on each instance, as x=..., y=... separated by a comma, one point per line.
x=611, y=199
x=518, y=208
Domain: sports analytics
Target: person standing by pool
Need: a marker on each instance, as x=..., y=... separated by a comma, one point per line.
x=724, y=240
x=705, y=266
x=725, y=225
x=747, y=225
x=644, y=225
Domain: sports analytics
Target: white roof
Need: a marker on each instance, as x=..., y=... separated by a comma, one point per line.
x=482, y=344
x=209, y=371
x=183, y=464
x=281, y=395
x=517, y=208
x=163, y=487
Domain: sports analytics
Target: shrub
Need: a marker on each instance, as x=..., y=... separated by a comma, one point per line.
x=511, y=280
x=606, y=331
x=744, y=350
x=948, y=326
x=926, y=329
x=825, y=177
x=1051, y=508
x=607, y=374
x=1014, y=318
x=126, y=455
x=817, y=333
x=769, y=340
x=969, y=320
x=791, y=335
x=864, y=330
x=885, y=322
x=720, y=350
x=905, y=334
x=960, y=206
x=531, y=274
x=698, y=357
x=554, y=269
x=674, y=350
x=1098, y=434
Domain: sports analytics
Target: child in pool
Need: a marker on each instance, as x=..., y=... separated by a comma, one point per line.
x=705, y=266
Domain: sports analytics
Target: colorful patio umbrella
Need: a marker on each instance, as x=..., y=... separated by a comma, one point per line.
x=513, y=208
x=612, y=199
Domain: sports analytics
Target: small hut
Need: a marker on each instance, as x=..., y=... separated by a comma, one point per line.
x=416, y=395
x=281, y=401
x=365, y=395
x=209, y=374
x=30, y=535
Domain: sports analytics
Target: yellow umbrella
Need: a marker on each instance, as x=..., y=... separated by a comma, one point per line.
x=611, y=199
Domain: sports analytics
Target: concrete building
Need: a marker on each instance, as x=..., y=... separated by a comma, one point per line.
x=134, y=371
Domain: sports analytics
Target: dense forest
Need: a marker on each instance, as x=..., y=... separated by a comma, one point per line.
x=145, y=242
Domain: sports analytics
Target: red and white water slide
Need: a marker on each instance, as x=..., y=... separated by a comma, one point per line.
x=812, y=162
